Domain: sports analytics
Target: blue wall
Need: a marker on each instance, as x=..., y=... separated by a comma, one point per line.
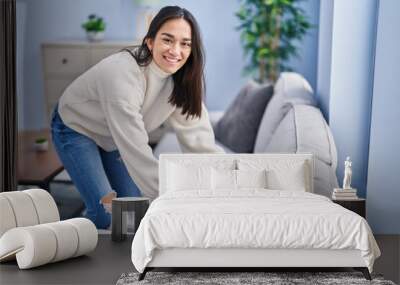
x=346, y=80
x=224, y=56
x=383, y=194
x=358, y=92
x=324, y=56
x=48, y=20
x=306, y=63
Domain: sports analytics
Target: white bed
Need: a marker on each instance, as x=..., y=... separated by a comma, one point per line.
x=200, y=223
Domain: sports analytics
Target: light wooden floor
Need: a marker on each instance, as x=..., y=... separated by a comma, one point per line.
x=110, y=260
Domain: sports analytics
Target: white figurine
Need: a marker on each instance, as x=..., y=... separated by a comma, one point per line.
x=347, y=173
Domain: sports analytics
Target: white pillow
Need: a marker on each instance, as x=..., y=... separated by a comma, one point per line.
x=181, y=177
x=225, y=179
x=251, y=178
x=293, y=179
x=281, y=174
x=290, y=89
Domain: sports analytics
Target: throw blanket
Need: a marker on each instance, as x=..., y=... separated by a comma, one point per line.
x=251, y=218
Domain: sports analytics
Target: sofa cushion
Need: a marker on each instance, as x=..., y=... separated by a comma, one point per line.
x=325, y=179
x=284, y=138
x=237, y=129
x=304, y=130
x=290, y=89
x=313, y=134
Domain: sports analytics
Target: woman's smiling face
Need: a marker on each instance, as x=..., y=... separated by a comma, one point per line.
x=172, y=45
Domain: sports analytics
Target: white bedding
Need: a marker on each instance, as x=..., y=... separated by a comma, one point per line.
x=251, y=218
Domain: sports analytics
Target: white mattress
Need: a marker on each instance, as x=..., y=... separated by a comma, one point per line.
x=252, y=218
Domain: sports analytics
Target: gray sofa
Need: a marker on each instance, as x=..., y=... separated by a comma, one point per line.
x=291, y=123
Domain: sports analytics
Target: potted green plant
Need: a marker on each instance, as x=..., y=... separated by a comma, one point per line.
x=41, y=144
x=269, y=30
x=94, y=27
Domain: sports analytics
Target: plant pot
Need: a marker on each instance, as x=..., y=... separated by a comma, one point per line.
x=95, y=36
x=41, y=146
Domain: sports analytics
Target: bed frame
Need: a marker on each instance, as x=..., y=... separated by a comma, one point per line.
x=249, y=259
x=244, y=259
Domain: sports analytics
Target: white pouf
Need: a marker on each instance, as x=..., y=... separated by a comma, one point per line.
x=31, y=232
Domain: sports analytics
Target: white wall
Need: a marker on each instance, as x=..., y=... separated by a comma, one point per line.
x=383, y=188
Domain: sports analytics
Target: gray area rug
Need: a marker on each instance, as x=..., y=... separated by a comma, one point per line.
x=270, y=278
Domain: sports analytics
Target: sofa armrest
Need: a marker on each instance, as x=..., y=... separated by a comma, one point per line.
x=215, y=116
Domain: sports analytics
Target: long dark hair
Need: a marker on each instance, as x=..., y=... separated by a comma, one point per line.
x=189, y=85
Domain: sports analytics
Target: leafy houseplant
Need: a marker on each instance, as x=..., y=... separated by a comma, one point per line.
x=94, y=28
x=269, y=29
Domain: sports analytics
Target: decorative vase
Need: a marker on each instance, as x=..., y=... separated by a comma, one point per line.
x=41, y=146
x=95, y=36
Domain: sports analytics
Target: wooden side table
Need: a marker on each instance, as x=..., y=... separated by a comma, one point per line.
x=356, y=205
x=120, y=206
x=36, y=168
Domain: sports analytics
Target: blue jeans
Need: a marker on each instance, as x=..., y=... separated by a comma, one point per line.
x=94, y=171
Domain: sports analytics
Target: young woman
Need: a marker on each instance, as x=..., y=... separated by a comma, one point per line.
x=101, y=124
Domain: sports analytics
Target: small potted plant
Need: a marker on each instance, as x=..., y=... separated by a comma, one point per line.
x=41, y=144
x=94, y=28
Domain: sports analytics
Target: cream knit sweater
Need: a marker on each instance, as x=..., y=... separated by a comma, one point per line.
x=117, y=103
